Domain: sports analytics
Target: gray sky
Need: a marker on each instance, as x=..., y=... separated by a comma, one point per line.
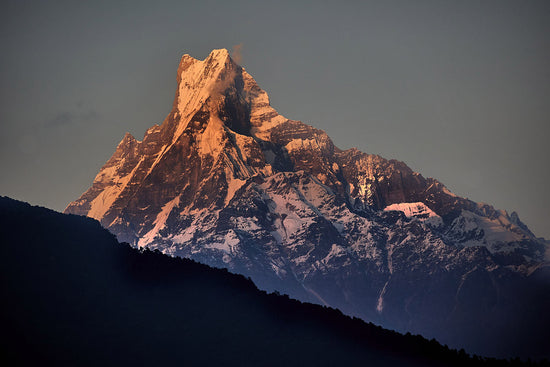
x=458, y=90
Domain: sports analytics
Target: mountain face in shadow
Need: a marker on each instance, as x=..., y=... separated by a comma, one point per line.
x=73, y=295
x=228, y=181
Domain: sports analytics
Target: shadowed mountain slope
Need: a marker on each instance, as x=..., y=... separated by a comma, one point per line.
x=72, y=295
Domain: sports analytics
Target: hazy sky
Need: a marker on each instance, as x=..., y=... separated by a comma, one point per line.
x=458, y=90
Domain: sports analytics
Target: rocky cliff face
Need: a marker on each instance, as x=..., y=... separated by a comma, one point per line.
x=228, y=181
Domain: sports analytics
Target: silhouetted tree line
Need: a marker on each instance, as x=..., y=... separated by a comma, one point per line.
x=72, y=295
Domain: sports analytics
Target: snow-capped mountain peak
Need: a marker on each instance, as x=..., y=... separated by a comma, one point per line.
x=228, y=181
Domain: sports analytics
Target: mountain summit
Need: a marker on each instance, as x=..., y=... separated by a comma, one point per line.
x=228, y=181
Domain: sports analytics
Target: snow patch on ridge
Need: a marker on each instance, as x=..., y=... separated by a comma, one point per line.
x=103, y=202
x=446, y=191
x=210, y=141
x=233, y=184
x=335, y=251
x=412, y=209
x=417, y=210
x=298, y=144
x=263, y=117
x=380, y=302
x=496, y=232
x=159, y=223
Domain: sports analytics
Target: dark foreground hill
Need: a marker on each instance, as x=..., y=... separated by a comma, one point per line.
x=72, y=295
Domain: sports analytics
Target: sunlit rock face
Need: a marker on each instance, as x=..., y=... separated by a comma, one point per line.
x=228, y=181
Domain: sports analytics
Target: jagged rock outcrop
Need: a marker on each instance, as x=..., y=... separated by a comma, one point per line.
x=228, y=181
